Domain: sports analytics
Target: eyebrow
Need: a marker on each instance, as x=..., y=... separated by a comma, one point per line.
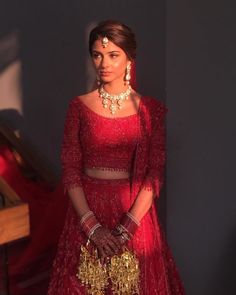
x=114, y=51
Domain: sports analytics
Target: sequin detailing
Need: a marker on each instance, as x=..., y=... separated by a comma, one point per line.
x=135, y=143
x=91, y=140
x=109, y=199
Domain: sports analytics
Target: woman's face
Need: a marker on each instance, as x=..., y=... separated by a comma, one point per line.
x=110, y=62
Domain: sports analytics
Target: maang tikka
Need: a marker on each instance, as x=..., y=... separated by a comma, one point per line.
x=127, y=75
x=105, y=42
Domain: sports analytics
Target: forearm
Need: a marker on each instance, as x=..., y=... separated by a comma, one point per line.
x=79, y=200
x=130, y=221
x=106, y=243
x=142, y=203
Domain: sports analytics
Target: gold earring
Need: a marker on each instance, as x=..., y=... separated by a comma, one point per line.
x=98, y=80
x=127, y=75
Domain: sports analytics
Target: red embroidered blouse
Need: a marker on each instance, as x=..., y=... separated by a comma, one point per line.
x=92, y=140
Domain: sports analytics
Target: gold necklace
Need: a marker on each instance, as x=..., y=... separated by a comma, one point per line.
x=116, y=100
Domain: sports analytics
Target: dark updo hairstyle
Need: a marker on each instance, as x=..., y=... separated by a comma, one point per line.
x=118, y=33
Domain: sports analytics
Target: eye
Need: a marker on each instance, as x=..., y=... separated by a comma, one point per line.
x=96, y=55
x=114, y=55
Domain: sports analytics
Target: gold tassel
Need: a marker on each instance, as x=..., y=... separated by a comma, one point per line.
x=91, y=273
x=122, y=271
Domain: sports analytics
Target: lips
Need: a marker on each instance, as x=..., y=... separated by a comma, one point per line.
x=105, y=73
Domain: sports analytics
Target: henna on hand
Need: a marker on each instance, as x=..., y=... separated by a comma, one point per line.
x=107, y=244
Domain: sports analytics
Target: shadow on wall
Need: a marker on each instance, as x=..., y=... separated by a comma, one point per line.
x=13, y=119
x=9, y=50
x=224, y=276
x=10, y=82
x=51, y=56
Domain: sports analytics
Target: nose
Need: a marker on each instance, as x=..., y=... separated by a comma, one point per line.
x=104, y=62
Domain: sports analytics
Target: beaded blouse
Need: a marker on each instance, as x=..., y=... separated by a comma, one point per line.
x=95, y=141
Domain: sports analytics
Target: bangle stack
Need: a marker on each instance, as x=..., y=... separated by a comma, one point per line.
x=128, y=226
x=89, y=223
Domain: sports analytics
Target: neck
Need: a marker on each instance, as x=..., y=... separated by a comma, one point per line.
x=115, y=87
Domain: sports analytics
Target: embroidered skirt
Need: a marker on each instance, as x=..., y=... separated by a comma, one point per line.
x=109, y=199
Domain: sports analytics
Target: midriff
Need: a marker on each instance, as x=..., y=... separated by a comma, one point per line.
x=106, y=173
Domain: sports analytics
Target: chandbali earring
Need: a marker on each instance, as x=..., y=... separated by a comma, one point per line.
x=127, y=74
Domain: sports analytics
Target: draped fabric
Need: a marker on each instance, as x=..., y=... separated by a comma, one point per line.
x=30, y=259
x=138, y=142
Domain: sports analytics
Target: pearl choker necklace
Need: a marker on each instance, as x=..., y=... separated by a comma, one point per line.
x=116, y=100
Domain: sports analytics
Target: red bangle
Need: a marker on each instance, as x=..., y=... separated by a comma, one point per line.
x=89, y=223
x=129, y=224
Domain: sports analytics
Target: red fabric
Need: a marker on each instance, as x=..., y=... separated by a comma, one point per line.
x=30, y=259
x=150, y=153
x=112, y=147
x=102, y=140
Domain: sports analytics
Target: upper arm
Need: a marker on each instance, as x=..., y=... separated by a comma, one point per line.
x=71, y=154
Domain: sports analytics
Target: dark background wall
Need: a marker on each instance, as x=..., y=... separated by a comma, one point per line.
x=201, y=206
x=185, y=57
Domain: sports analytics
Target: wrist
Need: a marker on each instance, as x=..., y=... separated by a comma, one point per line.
x=127, y=226
x=89, y=223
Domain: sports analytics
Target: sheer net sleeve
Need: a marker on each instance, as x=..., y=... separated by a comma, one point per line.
x=157, y=154
x=71, y=155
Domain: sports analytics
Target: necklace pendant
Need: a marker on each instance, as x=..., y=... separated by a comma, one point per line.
x=113, y=108
x=105, y=103
x=115, y=100
x=119, y=102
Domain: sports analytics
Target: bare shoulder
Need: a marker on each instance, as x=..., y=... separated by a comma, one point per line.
x=87, y=97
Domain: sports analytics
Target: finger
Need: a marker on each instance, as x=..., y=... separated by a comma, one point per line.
x=115, y=232
x=113, y=246
x=122, y=241
x=102, y=255
x=117, y=242
x=108, y=250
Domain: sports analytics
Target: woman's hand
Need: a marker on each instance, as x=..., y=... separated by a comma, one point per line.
x=106, y=243
x=122, y=237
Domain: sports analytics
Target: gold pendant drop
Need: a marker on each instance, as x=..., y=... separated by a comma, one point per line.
x=105, y=103
x=116, y=100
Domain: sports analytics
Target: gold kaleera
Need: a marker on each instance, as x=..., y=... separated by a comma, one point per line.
x=91, y=273
x=122, y=270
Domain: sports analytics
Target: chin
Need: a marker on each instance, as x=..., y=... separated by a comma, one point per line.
x=107, y=80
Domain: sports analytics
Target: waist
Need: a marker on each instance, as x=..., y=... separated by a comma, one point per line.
x=107, y=173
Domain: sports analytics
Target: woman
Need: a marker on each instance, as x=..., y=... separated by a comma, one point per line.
x=113, y=158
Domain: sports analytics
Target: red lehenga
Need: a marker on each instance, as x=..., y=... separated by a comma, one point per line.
x=134, y=143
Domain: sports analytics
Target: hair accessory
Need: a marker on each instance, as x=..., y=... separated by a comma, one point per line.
x=127, y=75
x=105, y=42
x=116, y=100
